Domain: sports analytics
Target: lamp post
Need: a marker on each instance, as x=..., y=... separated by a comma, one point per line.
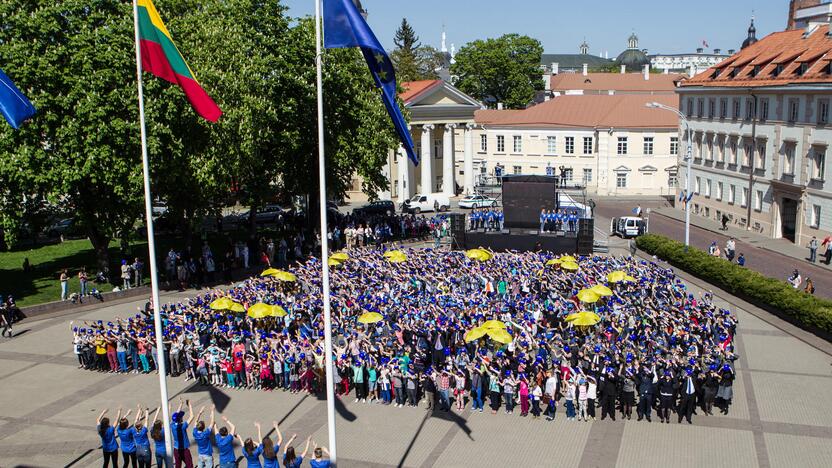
x=688, y=158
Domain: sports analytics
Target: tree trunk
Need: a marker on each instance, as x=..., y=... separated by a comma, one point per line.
x=253, y=245
x=101, y=243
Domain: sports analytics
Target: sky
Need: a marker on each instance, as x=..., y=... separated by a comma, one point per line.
x=663, y=26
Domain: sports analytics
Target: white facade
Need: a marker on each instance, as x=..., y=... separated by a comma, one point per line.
x=645, y=165
x=786, y=144
x=687, y=63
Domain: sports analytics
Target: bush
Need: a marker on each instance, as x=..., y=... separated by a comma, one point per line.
x=772, y=294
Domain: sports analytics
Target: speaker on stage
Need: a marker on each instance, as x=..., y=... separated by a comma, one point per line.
x=457, y=231
x=586, y=236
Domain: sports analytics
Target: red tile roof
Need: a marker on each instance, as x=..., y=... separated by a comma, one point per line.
x=415, y=88
x=624, y=82
x=781, y=58
x=597, y=110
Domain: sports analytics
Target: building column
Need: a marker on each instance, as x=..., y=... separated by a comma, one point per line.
x=404, y=175
x=468, y=165
x=448, y=180
x=426, y=159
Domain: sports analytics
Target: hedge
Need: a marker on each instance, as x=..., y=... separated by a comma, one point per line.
x=793, y=305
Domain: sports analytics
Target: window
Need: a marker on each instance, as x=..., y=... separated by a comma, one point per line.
x=818, y=163
x=823, y=111
x=794, y=108
x=622, y=145
x=749, y=109
x=758, y=201
x=732, y=194
x=621, y=180
x=815, y=218
x=760, y=160
x=674, y=145
x=723, y=108
x=672, y=180
x=501, y=144
x=709, y=154
x=719, y=191
x=788, y=160
x=518, y=143
x=763, y=110
x=733, y=151
x=736, y=113
x=648, y=145
x=587, y=145
x=437, y=149
x=484, y=143
x=700, y=108
x=711, y=108
x=697, y=185
x=551, y=144
x=690, y=107
x=587, y=176
x=720, y=149
x=744, y=200
x=517, y=170
x=566, y=175
x=708, y=188
x=570, y=145
x=746, y=156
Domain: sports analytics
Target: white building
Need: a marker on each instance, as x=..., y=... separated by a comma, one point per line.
x=760, y=122
x=690, y=63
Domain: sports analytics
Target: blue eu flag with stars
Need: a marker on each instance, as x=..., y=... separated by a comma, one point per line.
x=13, y=104
x=344, y=27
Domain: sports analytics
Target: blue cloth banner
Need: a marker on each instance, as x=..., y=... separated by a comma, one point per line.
x=344, y=27
x=13, y=104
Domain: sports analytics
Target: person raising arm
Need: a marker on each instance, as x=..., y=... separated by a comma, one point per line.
x=225, y=444
x=108, y=438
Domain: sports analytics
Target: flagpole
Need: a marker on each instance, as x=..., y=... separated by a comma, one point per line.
x=330, y=380
x=154, y=280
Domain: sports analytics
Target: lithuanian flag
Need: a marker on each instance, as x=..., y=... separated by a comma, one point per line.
x=161, y=57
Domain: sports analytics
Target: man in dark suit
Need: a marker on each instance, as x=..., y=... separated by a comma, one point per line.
x=687, y=393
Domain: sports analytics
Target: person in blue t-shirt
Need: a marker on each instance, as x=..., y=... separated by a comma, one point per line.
x=251, y=450
x=128, y=443
x=202, y=437
x=290, y=460
x=157, y=433
x=319, y=461
x=179, y=433
x=140, y=436
x=270, y=449
x=108, y=438
x=500, y=219
x=225, y=444
x=572, y=218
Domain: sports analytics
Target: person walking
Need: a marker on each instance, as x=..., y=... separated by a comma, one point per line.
x=828, y=253
x=6, y=317
x=730, y=249
x=813, y=249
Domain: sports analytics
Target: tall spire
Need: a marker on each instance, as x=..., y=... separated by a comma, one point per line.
x=752, y=35
x=443, y=48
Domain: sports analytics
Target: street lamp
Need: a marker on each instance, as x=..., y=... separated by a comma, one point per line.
x=656, y=105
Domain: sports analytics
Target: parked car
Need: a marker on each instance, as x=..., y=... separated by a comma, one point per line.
x=64, y=227
x=427, y=202
x=159, y=208
x=378, y=207
x=269, y=214
x=628, y=226
x=477, y=201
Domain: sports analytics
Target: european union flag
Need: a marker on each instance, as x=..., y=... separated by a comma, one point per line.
x=345, y=27
x=13, y=104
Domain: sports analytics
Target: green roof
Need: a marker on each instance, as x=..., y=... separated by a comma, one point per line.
x=573, y=60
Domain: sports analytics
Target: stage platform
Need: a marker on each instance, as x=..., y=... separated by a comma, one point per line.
x=522, y=240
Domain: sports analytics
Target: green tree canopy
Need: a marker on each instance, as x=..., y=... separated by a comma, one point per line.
x=503, y=70
x=412, y=60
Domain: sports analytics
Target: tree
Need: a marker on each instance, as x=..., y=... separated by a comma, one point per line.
x=406, y=38
x=504, y=70
x=412, y=60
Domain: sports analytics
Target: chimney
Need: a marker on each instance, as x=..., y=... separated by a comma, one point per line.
x=731, y=51
x=555, y=68
x=623, y=68
x=646, y=72
x=586, y=69
x=699, y=50
x=499, y=106
x=717, y=51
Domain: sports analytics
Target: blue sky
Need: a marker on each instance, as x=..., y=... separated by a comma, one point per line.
x=665, y=26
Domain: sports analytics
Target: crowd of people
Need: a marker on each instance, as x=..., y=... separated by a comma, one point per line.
x=136, y=438
x=657, y=347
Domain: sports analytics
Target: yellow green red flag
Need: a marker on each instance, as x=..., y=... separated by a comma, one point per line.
x=161, y=58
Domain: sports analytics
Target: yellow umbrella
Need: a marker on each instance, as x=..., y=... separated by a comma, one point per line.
x=391, y=253
x=259, y=310
x=583, y=319
x=278, y=311
x=568, y=258
x=269, y=272
x=629, y=278
x=396, y=256
x=601, y=290
x=479, y=254
x=474, y=334
x=616, y=276
x=587, y=295
x=333, y=262
x=222, y=303
x=572, y=266
x=370, y=317
x=340, y=256
x=500, y=336
x=554, y=261
x=236, y=307
x=493, y=325
x=285, y=276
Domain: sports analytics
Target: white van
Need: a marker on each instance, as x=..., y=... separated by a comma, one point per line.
x=421, y=203
x=628, y=226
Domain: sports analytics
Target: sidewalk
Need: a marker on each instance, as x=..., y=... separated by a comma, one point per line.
x=779, y=246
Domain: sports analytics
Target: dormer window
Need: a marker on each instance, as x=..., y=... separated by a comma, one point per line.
x=734, y=72
x=802, y=69
x=755, y=71
x=778, y=69
x=716, y=73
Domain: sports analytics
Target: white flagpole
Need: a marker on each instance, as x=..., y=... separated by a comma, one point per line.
x=330, y=375
x=154, y=280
